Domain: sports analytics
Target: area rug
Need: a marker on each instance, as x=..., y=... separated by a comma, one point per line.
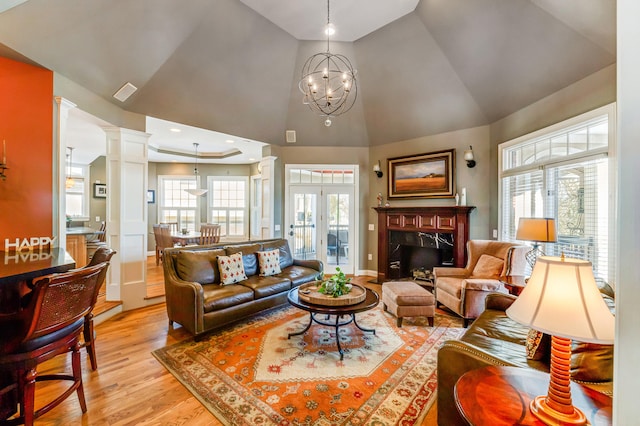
x=252, y=374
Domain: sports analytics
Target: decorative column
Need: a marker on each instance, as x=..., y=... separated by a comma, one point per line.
x=59, y=207
x=267, y=216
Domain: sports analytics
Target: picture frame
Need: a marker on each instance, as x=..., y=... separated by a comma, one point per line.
x=99, y=190
x=428, y=175
x=151, y=196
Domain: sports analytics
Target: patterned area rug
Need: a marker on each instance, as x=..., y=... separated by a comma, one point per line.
x=251, y=374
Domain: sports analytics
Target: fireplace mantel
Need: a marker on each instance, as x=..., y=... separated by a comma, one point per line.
x=450, y=219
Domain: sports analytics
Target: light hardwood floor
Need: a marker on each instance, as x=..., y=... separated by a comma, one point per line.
x=130, y=387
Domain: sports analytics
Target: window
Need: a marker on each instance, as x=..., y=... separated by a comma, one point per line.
x=175, y=205
x=229, y=205
x=77, y=193
x=565, y=172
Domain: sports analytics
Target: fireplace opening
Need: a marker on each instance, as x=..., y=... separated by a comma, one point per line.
x=415, y=254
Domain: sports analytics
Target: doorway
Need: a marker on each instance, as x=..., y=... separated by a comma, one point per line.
x=320, y=219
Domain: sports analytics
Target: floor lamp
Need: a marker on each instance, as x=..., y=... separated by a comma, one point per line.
x=538, y=230
x=562, y=299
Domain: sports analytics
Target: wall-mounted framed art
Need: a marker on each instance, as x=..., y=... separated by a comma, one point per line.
x=100, y=190
x=429, y=175
x=151, y=196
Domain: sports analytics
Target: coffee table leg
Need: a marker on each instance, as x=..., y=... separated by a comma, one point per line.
x=338, y=336
x=305, y=329
x=370, y=330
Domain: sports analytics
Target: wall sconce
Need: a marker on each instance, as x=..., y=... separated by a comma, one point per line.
x=468, y=157
x=377, y=170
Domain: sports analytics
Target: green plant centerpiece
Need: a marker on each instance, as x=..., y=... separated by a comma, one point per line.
x=337, y=285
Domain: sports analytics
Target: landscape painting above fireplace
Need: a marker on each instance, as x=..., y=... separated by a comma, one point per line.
x=430, y=175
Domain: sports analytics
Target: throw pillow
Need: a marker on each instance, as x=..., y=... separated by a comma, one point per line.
x=231, y=269
x=488, y=267
x=269, y=262
x=538, y=345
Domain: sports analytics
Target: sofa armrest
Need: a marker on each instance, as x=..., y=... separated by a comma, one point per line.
x=450, y=272
x=482, y=284
x=499, y=301
x=184, y=299
x=454, y=359
x=313, y=264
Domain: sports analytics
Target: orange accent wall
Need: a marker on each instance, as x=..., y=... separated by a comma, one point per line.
x=26, y=124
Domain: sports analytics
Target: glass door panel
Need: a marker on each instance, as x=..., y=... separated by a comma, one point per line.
x=303, y=224
x=338, y=219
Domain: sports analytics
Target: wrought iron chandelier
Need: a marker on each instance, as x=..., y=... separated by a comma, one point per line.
x=328, y=81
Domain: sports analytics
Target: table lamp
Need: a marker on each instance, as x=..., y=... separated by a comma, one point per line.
x=563, y=300
x=538, y=230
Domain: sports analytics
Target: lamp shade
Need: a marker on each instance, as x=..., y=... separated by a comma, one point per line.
x=561, y=298
x=536, y=229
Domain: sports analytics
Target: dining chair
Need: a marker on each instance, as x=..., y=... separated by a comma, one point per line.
x=102, y=254
x=209, y=233
x=99, y=240
x=173, y=226
x=49, y=325
x=163, y=238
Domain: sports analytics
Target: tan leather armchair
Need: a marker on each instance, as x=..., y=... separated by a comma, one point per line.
x=463, y=290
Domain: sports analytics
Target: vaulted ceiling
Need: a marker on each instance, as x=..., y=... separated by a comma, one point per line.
x=222, y=65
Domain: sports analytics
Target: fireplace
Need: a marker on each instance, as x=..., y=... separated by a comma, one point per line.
x=413, y=240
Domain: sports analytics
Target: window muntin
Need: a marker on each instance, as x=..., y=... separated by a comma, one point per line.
x=175, y=205
x=77, y=196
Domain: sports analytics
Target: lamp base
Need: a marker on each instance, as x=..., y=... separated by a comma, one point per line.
x=549, y=416
x=533, y=255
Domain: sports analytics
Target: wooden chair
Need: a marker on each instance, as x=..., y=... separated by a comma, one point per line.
x=49, y=325
x=173, y=226
x=162, y=234
x=209, y=234
x=102, y=254
x=98, y=241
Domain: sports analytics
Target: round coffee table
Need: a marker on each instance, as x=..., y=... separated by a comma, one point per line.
x=371, y=301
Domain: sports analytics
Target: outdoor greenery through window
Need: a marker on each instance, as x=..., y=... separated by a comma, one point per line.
x=229, y=205
x=565, y=172
x=175, y=204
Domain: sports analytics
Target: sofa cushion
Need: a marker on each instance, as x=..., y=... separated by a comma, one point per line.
x=298, y=274
x=266, y=286
x=231, y=269
x=218, y=297
x=199, y=266
x=269, y=262
x=488, y=267
x=286, y=258
x=249, y=259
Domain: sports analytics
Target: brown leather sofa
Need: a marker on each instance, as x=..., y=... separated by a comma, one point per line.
x=197, y=301
x=495, y=339
x=463, y=290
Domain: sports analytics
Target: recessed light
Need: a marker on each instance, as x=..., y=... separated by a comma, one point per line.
x=252, y=159
x=175, y=130
x=230, y=141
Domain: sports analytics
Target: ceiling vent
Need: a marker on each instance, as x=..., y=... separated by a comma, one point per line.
x=125, y=91
x=291, y=136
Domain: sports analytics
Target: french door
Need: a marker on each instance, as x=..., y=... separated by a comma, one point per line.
x=320, y=221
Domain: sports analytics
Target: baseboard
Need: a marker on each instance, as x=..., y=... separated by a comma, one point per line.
x=366, y=272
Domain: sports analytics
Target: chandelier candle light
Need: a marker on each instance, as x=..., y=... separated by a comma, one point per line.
x=328, y=81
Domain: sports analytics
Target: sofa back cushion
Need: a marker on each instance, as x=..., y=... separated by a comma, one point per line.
x=249, y=259
x=199, y=266
x=286, y=258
